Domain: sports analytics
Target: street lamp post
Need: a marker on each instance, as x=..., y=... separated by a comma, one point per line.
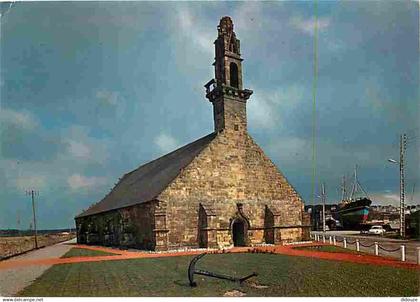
x=403, y=146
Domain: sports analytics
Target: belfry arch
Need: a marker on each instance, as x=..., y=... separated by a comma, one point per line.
x=234, y=77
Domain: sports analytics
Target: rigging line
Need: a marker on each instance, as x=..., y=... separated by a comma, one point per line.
x=360, y=186
x=314, y=89
x=412, y=194
x=354, y=187
x=363, y=189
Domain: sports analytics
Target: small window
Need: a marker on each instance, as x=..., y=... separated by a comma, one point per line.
x=236, y=127
x=234, y=75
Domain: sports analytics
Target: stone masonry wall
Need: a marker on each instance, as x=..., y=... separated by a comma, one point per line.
x=129, y=227
x=232, y=169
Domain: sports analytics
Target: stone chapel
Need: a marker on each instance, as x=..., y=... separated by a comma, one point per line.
x=216, y=192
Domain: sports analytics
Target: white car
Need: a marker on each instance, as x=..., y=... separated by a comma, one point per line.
x=377, y=230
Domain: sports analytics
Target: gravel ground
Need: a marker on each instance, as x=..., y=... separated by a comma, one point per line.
x=16, y=279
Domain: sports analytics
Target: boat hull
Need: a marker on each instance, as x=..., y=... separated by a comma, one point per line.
x=355, y=213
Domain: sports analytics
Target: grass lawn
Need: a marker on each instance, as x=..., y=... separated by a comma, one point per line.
x=78, y=252
x=283, y=276
x=329, y=248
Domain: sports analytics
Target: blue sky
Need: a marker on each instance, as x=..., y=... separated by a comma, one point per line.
x=91, y=90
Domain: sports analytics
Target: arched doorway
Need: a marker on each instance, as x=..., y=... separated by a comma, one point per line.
x=238, y=232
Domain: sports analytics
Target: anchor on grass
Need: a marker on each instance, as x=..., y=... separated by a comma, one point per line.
x=192, y=270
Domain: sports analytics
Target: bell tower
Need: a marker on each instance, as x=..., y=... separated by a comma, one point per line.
x=226, y=92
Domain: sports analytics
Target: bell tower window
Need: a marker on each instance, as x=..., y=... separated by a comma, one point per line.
x=234, y=75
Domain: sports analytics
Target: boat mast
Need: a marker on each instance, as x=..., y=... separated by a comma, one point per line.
x=354, y=188
x=343, y=188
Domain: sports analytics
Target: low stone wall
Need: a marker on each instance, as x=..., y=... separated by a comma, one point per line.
x=11, y=246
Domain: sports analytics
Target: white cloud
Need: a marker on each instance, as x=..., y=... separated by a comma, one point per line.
x=77, y=181
x=21, y=119
x=261, y=114
x=248, y=16
x=307, y=26
x=108, y=97
x=32, y=182
x=78, y=149
x=83, y=147
x=385, y=199
x=185, y=18
x=335, y=45
x=393, y=198
x=166, y=142
x=289, y=95
x=266, y=108
x=194, y=30
x=23, y=175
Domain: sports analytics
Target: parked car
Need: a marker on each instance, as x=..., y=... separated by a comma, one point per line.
x=377, y=230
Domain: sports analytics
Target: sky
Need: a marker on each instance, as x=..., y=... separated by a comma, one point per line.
x=92, y=90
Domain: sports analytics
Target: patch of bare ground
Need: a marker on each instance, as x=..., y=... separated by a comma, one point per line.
x=234, y=293
x=10, y=246
x=255, y=284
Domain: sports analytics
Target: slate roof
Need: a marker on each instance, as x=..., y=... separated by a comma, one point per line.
x=149, y=180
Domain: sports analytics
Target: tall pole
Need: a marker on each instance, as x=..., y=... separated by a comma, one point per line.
x=343, y=189
x=18, y=221
x=314, y=93
x=403, y=146
x=354, y=188
x=32, y=193
x=323, y=207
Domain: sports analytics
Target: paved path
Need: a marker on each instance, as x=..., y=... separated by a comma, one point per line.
x=284, y=250
x=15, y=278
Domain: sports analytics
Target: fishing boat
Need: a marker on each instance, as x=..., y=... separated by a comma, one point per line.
x=353, y=211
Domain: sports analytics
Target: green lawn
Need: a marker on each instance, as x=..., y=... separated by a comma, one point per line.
x=284, y=276
x=78, y=252
x=329, y=248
